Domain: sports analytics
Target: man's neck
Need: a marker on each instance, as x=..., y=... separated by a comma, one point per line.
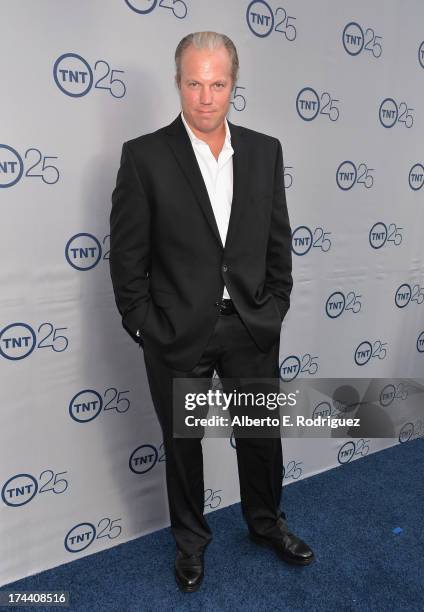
x=214, y=139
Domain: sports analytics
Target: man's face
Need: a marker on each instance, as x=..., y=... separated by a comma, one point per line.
x=205, y=87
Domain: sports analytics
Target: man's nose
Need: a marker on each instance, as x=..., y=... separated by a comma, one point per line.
x=205, y=96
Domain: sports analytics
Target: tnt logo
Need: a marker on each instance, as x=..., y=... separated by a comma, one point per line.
x=80, y=537
x=350, y=449
x=416, y=177
x=323, y=409
x=11, y=166
x=346, y=452
x=406, y=432
x=347, y=175
x=353, y=38
x=302, y=240
x=143, y=459
x=307, y=104
x=421, y=54
x=293, y=365
x=73, y=75
x=403, y=295
x=335, y=305
x=260, y=18
x=83, y=251
x=390, y=113
x=17, y=341
x=19, y=490
x=363, y=353
x=391, y=392
x=420, y=342
x=290, y=368
x=85, y=406
x=378, y=235
x=143, y=7
x=387, y=395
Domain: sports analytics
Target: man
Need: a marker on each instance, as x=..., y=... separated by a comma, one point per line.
x=201, y=268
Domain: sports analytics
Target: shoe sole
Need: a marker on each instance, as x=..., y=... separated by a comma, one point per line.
x=282, y=556
x=187, y=589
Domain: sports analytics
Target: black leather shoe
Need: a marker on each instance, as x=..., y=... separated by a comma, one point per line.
x=189, y=571
x=288, y=547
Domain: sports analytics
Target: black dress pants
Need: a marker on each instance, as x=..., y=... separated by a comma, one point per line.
x=233, y=353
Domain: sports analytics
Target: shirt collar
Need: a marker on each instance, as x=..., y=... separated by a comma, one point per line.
x=195, y=140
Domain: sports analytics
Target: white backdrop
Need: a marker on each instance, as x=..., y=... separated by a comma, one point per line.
x=342, y=86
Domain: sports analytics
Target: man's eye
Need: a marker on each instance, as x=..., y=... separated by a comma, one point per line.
x=219, y=85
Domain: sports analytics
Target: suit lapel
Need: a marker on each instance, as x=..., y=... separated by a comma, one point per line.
x=240, y=184
x=181, y=146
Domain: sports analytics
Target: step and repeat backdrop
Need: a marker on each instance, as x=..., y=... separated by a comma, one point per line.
x=341, y=85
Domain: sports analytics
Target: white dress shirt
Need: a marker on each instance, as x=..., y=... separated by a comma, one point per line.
x=218, y=178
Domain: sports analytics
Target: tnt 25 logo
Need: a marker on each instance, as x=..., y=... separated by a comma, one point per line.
x=293, y=470
x=411, y=431
x=144, y=7
x=18, y=340
x=325, y=409
x=87, y=404
x=355, y=41
x=238, y=100
x=348, y=175
x=310, y=104
x=36, y=165
x=83, y=251
x=144, y=458
x=338, y=303
x=293, y=365
x=416, y=177
x=288, y=177
x=20, y=489
x=304, y=239
x=74, y=76
x=420, y=342
x=263, y=20
x=421, y=54
x=406, y=294
x=351, y=450
x=82, y=535
x=367, y=350
x=393, y=391
x=390, y=113
x=212, y=500
x=381, y=235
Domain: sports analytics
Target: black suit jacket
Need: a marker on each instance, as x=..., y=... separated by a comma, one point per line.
x=167, y=262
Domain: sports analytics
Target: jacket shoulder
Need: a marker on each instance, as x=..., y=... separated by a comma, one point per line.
x=146, y=140
x=257, y=137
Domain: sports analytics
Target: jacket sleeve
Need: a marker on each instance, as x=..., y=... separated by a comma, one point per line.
x=129, y=256
x=279, y=279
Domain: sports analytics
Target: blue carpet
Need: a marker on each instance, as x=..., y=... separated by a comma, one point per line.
x=349, y=515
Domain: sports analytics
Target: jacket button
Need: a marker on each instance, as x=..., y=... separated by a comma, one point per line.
x=224, y=268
